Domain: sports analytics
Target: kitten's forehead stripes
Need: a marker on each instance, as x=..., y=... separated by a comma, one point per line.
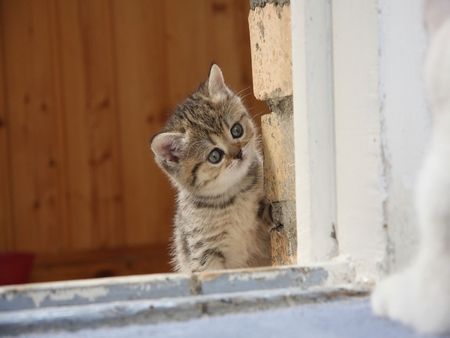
x=211, y=141
x=212, y=114
x=211, y=117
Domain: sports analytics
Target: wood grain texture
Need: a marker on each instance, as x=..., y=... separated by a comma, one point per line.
x=97, y=263
x=32, y=110
x=212, y=31
x=91, y=124
x=6, y=230
x=142, y=102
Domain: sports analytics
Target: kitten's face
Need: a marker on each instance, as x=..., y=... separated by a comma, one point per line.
x=208, y=144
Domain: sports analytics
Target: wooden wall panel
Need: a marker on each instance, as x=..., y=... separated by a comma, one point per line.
x=200, y=32
x=101, y=263
x=76, y=131
x=186, y=47
x=32, y=110
x=6, y=230
x=142, y=100
x=95, y=206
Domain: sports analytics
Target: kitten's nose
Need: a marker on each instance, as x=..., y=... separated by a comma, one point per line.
x=238, y=155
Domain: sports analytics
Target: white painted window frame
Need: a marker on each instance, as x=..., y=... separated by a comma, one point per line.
x=340, y=186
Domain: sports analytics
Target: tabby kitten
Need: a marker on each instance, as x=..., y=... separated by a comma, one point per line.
x=209, y=151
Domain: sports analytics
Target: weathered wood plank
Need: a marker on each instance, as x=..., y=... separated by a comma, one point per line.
x=95, y=206
x=101, y=263
x=6, y=230
x=6, y=239
x=32, y=111
x=142, y=104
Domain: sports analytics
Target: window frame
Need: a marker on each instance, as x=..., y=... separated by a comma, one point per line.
x=337, y=129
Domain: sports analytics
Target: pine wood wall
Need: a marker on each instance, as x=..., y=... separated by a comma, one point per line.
x=83, y=87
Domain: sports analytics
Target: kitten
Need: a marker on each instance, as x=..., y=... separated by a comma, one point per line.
x=420, y=296
x=209, y=150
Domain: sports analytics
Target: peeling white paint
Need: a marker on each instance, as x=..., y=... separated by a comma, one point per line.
x=38, y=297
x=262, y=275
x=406, y=118
x=91, y=294
x=41, y=295
x=103, y=282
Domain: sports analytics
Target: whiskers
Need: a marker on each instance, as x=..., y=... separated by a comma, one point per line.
x=253, y=116
x=239, y=92
x=237, y=98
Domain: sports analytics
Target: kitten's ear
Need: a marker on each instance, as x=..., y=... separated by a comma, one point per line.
x=216, y=84
x=168, y=146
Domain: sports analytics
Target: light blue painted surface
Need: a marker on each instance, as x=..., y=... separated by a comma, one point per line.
x=351, y=318
x=259, y=279
x=36, y=296
x=139, y=300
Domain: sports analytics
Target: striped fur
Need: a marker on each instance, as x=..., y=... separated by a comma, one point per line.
x=222, y=220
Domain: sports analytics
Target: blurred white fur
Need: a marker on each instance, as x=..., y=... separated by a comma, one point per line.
x=420, y=296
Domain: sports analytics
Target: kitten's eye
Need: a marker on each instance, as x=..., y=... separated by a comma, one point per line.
x=237, y=130
x=215, y=156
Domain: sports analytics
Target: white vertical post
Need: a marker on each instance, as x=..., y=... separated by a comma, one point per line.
x=349, y=128
x=360, y=182
x=314, y=130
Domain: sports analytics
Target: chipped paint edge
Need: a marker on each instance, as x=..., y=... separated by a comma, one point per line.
x=77, y=293
x=117, y=314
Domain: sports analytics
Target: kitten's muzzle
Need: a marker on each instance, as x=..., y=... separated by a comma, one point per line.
x=238, y=155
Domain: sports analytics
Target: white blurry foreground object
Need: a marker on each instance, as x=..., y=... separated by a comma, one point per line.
x=420, y=296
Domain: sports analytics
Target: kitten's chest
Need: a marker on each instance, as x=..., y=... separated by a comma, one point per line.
x=240, y=226
x=231, y=214
x=233, y=229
